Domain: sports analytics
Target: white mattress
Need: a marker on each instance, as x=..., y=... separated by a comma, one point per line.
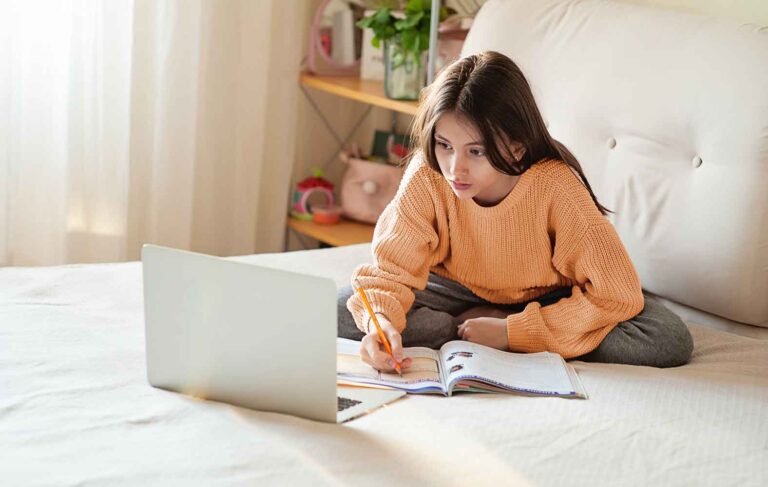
x=75, y=409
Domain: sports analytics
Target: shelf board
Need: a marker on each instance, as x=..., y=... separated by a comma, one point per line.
x=346, y=232
x=354, y=88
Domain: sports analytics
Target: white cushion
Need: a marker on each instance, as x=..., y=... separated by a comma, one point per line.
x=667, y=113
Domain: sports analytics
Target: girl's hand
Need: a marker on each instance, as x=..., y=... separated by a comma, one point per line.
x=491, y=332
x=375, y=354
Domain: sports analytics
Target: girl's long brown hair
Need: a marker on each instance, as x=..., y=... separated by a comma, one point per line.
x=489, y=90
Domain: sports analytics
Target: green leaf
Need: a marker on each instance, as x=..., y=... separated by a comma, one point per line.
x=409, y=22
x=414, y=6
x=382, y=16
x=364, y=23
x=424, y=38
x=409, y=35
x=408, y=40
x=398, y=59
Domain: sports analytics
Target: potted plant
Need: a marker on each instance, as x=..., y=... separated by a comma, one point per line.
x=405, y=36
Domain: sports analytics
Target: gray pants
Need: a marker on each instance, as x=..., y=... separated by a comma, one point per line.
x=656, y=337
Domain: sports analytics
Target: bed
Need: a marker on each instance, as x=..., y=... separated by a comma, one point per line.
x=76, y=408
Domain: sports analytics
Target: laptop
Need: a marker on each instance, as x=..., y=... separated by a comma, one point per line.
x=247, y=335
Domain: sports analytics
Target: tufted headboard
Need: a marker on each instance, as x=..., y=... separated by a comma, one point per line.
x=667, y=113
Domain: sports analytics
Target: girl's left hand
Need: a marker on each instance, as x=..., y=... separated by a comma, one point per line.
x=491, y=332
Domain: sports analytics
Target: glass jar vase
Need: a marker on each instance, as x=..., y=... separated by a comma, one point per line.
x=403, y=77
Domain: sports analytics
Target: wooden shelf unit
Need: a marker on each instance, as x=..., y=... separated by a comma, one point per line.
x=354, y=88
x=372, y=93
x=346, y=232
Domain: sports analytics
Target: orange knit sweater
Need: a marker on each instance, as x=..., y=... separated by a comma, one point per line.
x=545, y=234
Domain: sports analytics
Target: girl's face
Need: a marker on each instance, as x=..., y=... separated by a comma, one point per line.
x=463, y=162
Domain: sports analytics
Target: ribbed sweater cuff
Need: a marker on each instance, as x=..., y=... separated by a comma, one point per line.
x=521, y=330
x=381, y=303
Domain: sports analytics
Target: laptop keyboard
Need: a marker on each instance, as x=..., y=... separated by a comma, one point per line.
x=346, y=403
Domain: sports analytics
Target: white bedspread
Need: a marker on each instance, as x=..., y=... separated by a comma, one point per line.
x=76, y=409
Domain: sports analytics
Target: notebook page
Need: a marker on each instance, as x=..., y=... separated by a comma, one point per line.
x=534, y=372
x=423, y=372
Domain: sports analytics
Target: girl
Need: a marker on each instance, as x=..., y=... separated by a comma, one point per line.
x=496, y=237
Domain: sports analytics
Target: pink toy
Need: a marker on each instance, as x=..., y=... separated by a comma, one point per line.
x=367, y=187
x=300, y=207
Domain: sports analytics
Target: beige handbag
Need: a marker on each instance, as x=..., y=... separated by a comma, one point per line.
x=367, y=187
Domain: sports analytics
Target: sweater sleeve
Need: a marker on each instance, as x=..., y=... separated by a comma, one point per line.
x=608, y=292
x=404, y=243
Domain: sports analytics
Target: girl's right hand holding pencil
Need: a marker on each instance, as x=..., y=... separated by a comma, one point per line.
x=374, y=353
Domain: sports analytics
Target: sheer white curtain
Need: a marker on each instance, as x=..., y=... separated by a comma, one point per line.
x=132, y=121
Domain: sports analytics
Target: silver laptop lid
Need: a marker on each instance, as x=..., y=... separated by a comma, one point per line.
x=240, y=333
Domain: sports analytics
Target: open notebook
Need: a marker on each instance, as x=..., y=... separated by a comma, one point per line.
x=464, y=366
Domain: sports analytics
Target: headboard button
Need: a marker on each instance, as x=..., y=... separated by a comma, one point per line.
x=696, y=161
x=611, y=143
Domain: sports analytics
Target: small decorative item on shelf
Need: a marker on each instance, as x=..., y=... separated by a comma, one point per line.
x=389, y=147
x=334, y=42
x=403, y=77
x=406, y=41
x=367, y=186
x=326, y=214
x=317, y=184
